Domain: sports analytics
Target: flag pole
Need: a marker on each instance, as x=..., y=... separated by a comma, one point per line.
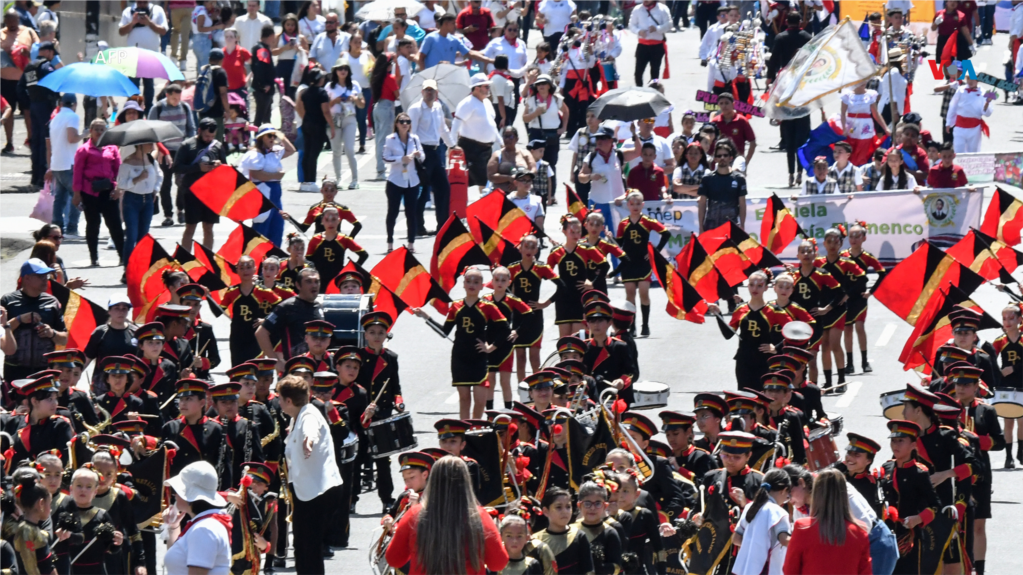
x=892, y=108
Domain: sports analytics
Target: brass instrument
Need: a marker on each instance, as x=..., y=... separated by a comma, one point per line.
x=276, y=433
x=223, y=449
x=93, y=431
x=285, y=489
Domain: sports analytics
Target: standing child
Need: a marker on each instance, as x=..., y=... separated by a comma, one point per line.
x=820, y=183
x=595, y=229
x=326, y=251
x=95, y=524
x=515, y=536
x=1010, y=357
x=604, y=541
x=542, y=184
x=762, y=534
x=532, y=205
x=856, y=312
x=515, y=311
x=853, y=280
x=846, y=175
x=641, y=527
x=873, y=173
x=859, y=112
x=575, y=556
x=27, y=536
x=573, y=262
x=634, y=237
x=526, y=277
x=237, y=129
x=477, y=324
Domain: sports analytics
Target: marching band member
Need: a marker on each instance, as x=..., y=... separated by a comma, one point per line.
x=288, y=277
x=859, y=112
x=686, y=458
x=784, y=285
x=747, y=408
x=607, y=358
x=314, y=217
x=451, y=438
x=808, y=397
x=242, y=434
x=651, y=22
x=118, y=402
x=360, y=411
x=634, y=236
x=859, y=456
x=965, y=323
x=415, y=470
x=84, y=483
x=784, y=418
x=666, y=492
x=41, y=429
x=526, y=277
x=853, y=280
x=515, y=536
x=1010, y=358
x=206, y=349
x=577, y=86
x=605, y=544
x=572, y=260
x=318, y=334
x=754, y=322
x=598, y=236
x=29, y=539
x=175, y=320
x=856, y=306
x=515, y=311
x=246, y=304
x=197, y=436
x=531, y=444
x=571, y=547
x=248, y=526
x=163, y=373
x=327, y=249
x=246, y=375
x=965, y=117
x=710, y=422
x=115, y=499
x=150, y=402
x=269, y=269
x=70, y=363
x=709, y=40
x=301, y=366
x=339, y=420
x=818, y=292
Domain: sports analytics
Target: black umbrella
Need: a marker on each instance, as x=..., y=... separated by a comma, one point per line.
x=140, y=132
x=629, y=104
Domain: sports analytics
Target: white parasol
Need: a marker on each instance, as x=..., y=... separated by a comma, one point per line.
x=452, y=84
x=383, y=10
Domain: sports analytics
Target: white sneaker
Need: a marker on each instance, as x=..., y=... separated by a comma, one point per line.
x=110, y=244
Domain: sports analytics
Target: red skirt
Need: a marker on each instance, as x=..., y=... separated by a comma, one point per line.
x=863, y=150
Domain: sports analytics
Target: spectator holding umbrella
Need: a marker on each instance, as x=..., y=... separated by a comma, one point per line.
x=95, y=173
x=143, y=24
x=140, y=179
x=172, y=109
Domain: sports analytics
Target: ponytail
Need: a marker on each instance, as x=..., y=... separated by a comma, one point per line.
x=775, y=480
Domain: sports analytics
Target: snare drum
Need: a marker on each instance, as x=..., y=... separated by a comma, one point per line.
x=345, y=311
x=524, y=392
x=822, y=451
x=650, y=395
x=392, y=435
x=891, y=404
x=350, y=448
x=1008, y=402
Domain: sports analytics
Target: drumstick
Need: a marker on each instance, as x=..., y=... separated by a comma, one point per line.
x=148, y=416
x=166, y=403
x=703, y=491
x=365, y=417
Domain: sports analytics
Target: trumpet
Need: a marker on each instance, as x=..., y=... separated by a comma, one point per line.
x=93, y=431
x=276, y=432
x=285, y=490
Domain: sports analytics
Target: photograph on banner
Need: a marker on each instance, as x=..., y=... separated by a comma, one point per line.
x=897, y=221
x=986, y=167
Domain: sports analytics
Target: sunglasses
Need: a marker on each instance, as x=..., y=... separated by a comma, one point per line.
x=510, y=137
x=512, y=29
x=649, y=120
x=55, y=238
x=406, y=122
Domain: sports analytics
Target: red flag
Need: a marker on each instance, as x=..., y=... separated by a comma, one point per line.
x=144, y=274
x=81, y=316
x=453, y=251
x=1009, y=258
x=733, y=265
x=385, y=300
x=200, y=274
x=245, y=241
x=695, y=265
x=987, y=256
x=779, y=227
x=574, y=205
x=684, y=302
x=747, y=244
x=333, y=285
x=498, y=212
x=500, y=251
x=1004, y=218
x=220, y=267
x=228, y=193
x=934, y=327
x=950, y=52
x=402, y=273
x=908, y=287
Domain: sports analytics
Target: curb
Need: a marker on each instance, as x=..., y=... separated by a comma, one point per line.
x=10, y=247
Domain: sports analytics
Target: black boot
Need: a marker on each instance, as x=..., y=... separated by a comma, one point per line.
x=490, y=404
x=866, y=365
x=1019, y=451
x=1009, y=463
x=645, y=311
x=849, y=369
x=827, y=381
x=979, y=566
x=840, y=386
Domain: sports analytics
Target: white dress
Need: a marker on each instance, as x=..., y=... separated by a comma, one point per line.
x=858, y=114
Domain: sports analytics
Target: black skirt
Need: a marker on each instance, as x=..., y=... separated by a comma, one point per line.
x=635, y=270
x=568, y=308
x=530, y=330
x=468, y=368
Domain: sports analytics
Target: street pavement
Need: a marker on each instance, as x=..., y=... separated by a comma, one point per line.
x=689, y=357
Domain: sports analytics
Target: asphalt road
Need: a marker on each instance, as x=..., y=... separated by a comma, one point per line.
x=689, y=357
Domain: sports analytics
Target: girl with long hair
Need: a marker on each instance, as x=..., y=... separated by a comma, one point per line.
x=754, y=321
x=262, y=165
x=401, y=152
x=172, y=280
x=288, y=277
x=830, y=540
x=857, y=312
x=573, y=260
x=447, y=532
x=269, y=274
x=27, y=535
x=288, y=44
x=691, y=162
x=763, y=530
x=853, y=280
x=895, y=176
x=345, y=98
x=384, y=89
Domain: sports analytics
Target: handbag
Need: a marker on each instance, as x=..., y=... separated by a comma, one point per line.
x=102, y=185
x=43, y=210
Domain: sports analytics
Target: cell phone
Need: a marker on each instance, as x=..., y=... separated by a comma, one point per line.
x=143, y=11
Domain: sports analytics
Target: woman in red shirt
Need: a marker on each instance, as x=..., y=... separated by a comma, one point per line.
x=385, y=92
x=447, y=532
x=830, y=540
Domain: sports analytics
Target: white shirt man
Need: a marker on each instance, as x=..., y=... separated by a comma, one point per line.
x=474, y=119
x=557, y=15
x=62, y=152
x=428, y=123
x=326, y=51
x=966, y=112
x=250, y=25
x=143, y=35
x=516, y=53
x=654, y=16
x=709, y=44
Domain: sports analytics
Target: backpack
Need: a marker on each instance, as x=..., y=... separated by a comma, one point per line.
x=205, y=94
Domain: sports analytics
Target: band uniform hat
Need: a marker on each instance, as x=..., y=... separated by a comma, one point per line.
x=447, y=428
x=561, y=387
x=260, y=471
x=46, y=383
x=964, y=319
x=802, y=355
x=742, y=404
x=658, y=449
x=556, y=414
x=558, y=372
x=192, y=386
x=243, y=371
x=623, y=312
x=571, y=343
x=539, y=380
x=641, y=424
x=948, y=414
x=116, y=364
x=105, y=439
x=347, y=352
x=736, y=442
x=597, y=310
x=574, y=367
x=264, y=365
x=138, y=366
x=917, y=394
x=173, y=311
x=225, y=391
x=319, y=328
x=324, y=380
x=492, y=414
x=592, y=295
x=50, y=371
x=784, y=362
x=377, y=318
x=299, y=364
x=65, y=358
x=676, y=420
x=862, y=444
x=903, y=428
x=191, y=292
x=529, y=415
x=130, y=426
x=781, y=379
x=152, y=330
x=710, y=402
x=353, y=275
x=755, y=396
x=435, y=452
x=952, y=354
x=962, y=373
x=415, y=460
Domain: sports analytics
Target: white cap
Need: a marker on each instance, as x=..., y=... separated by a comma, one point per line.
x=479, y=79
x=118, y=299
x=197, y=482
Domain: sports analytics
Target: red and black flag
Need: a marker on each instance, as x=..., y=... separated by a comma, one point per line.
x=385, y=300
x=230, y=194
x=684, y=302
x=346, y=273
x=934, y=328
x=498, y=212
x=500, y=251
x=1004, y=217
x=574, y=205
x=748, y=245
x=245, y=241
x=453, y=251
x=987, y=256
x=199, y=273
x=221, y=268
x=694, y=264
x=779, y=227
x=908, y=287
x=485, y=447
x=402, y=273
x=81, y=316
x=144, y=274
x=731, y=263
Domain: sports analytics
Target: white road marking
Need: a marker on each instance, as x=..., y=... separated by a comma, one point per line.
x=853, y=387
x=886, y=335
x=452, y=400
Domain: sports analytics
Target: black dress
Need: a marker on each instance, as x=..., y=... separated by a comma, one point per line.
x=525, y=284
x=574, y=267
x=481, y=321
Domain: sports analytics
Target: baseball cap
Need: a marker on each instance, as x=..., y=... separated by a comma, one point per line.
x=118, y=299
x=69, y=99
x=35, y=266
x=430, y=83
x=536, y=144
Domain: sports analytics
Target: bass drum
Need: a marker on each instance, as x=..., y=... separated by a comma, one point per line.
x=345, y=311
